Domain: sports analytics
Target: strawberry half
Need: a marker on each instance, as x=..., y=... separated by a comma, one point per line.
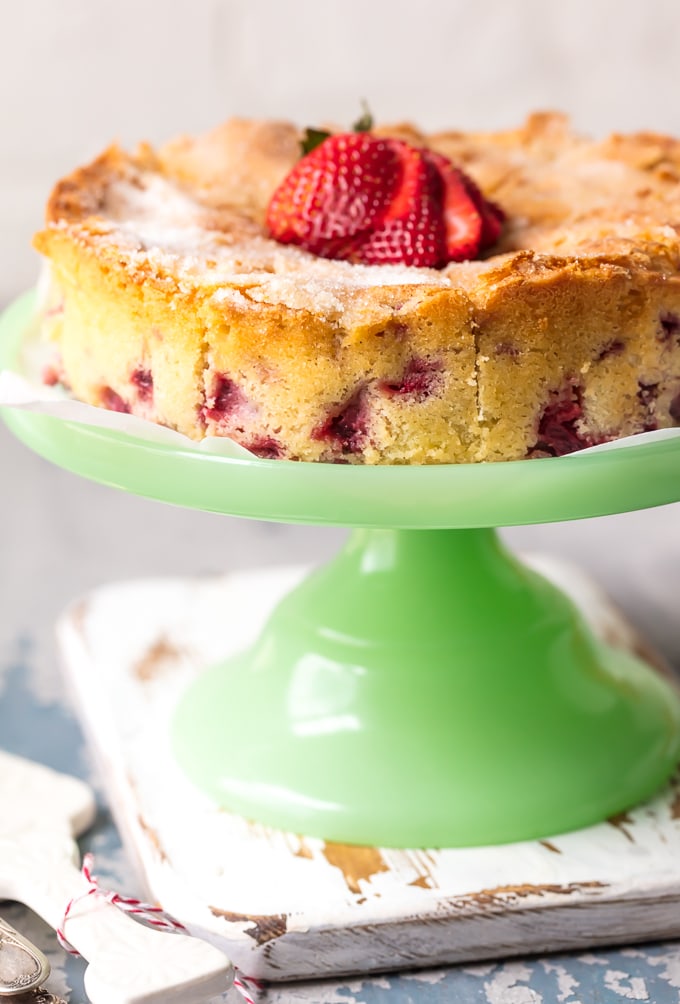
x=461, y=216
x=411, y=231
x=378, y=201
x=338, y=190
x=491, y=213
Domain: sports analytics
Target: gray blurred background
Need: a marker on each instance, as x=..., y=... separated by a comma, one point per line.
x=75, y=74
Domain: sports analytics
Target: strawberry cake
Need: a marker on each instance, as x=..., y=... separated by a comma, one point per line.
x=375, y=296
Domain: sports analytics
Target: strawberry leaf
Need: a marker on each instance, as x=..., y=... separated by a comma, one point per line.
x=365, y=123
x=311, y=139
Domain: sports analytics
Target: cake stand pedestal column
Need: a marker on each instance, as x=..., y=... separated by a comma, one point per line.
x=426, y=689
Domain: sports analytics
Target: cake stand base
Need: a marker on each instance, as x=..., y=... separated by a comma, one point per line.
x=290, y=907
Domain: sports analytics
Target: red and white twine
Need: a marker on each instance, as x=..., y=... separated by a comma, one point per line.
x=146, y=913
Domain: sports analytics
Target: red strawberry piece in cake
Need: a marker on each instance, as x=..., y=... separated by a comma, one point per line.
x=558, y=427
x=420, y=379
x=347, y=428
x=226, y=401
x=670, y=324
x=142, y=379
x=113, y=401
x=648, y=395
x=266, y=448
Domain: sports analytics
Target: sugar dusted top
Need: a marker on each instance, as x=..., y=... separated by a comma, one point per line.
x=192, y=213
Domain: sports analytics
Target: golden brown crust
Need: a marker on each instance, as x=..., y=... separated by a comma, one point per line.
x=239, y=163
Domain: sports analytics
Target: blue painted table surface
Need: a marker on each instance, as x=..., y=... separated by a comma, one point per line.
x=60, y=536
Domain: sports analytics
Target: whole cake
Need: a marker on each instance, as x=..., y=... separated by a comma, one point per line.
x=390, y=297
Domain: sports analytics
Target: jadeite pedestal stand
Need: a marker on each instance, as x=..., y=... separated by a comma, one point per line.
x=424, y=689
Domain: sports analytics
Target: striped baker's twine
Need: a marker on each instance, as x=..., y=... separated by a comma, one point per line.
x=146, y=913
x=242, y=984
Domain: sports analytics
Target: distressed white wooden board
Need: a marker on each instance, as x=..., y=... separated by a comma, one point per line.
x=286, y=907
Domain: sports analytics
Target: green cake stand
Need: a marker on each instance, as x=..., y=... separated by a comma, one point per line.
x=423, y=689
